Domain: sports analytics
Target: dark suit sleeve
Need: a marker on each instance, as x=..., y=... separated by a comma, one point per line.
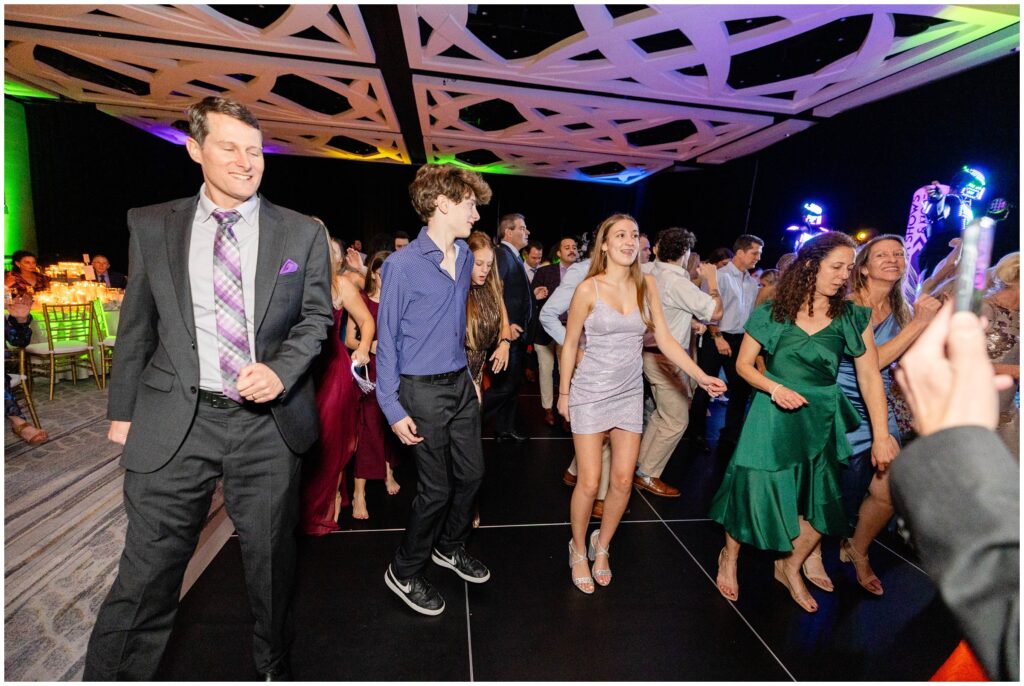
x=136, y=331
x=959, y=490
x=302, y=346
x=514, y=286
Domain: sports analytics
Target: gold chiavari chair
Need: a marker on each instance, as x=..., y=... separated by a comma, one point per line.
x=69, y=342
x=15, y=366
x=105, y=340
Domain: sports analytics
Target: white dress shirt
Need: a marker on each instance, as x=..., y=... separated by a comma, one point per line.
x=739, y=291
x=200, y=268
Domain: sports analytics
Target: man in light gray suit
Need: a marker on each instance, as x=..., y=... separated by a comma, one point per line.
x=226, y=307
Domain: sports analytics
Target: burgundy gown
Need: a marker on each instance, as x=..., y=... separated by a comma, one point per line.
x=338, y=404
x=376, y=441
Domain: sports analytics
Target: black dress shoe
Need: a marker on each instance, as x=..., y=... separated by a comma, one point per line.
x=510, y=437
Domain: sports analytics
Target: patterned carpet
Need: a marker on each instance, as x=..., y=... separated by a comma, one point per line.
x=64, y=526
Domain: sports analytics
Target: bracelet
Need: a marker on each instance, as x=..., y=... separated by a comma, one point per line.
x=505, y=340
x=777, y=387
x=560, y=393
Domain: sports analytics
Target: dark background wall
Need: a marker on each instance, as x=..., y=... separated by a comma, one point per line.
x=863, y=165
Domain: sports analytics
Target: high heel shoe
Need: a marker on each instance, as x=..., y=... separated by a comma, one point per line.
x=580, y=582
x=822, y=582
x=732, y=594
x=847, y=553
x=806, y=602
x=595, y=550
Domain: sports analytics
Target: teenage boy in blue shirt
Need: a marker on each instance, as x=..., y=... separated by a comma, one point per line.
x=423, y=386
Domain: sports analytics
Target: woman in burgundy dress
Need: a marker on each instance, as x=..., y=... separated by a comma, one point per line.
x=337, y=402
x=376, y=454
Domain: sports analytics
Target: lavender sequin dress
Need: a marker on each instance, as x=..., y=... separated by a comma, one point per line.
x=607, y=389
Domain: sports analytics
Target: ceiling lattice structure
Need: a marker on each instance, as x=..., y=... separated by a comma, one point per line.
x=606, y=93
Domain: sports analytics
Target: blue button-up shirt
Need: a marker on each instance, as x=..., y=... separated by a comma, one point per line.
x=421, y=320
x=739, y=291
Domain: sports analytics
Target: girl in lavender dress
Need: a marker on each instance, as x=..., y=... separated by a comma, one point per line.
x=615, y=305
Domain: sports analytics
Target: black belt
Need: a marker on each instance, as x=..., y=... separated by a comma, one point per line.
x=218, y=400
x=447, y=377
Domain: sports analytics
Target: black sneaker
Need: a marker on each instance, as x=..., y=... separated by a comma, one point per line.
x=468, y=568
x=416, y=592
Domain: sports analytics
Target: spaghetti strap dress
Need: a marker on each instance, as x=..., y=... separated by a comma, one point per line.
x=607, y=390
x=786, y=464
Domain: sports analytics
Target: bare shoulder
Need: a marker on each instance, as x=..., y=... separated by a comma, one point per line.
x=585, y=292
x=348, y=289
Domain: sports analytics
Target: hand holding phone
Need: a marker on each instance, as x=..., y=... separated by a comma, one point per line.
x=975, y=257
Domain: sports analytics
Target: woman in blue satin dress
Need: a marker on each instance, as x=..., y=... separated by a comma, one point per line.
x=877, y=282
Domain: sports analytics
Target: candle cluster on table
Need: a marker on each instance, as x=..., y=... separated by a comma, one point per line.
x=60, y=293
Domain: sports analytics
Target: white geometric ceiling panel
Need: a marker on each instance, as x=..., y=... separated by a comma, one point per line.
x=334, y=31
x=137, y=74
x=502, y=158
x=488, y=112
x=736, y=56
x=280, y=137
x=592, y=92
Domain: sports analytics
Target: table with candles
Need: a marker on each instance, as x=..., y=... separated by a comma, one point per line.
x=71, y=293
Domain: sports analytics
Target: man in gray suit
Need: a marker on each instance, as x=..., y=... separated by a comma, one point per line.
x=226, y=307
x=959, y=488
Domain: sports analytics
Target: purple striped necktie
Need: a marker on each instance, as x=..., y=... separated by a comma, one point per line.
x=232, y=334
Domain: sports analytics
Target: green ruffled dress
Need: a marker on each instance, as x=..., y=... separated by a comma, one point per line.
x=787, y=462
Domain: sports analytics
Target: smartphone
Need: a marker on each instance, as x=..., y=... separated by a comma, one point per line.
x=975, y=257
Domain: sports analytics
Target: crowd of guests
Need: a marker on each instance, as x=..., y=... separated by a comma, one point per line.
x=359, y=358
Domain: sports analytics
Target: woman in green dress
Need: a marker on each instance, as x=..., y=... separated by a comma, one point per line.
x=781, y=490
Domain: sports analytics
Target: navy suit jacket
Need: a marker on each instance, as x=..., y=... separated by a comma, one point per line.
x=515, y=287
x=549, y=276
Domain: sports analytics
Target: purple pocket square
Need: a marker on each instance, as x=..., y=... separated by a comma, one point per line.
x=288, y=267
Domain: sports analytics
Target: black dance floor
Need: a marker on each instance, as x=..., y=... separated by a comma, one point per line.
x=661, y=618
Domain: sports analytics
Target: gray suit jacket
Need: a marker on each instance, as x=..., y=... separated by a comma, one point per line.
x=959, y=490
x=155, y=378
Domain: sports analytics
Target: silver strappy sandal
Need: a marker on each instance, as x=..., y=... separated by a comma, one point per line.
x=582, y=581
x=602, y=577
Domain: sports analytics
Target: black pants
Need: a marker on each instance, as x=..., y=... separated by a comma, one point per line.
x=166, y=511
x=450, y=463
x=711, y=361
x=500, y=400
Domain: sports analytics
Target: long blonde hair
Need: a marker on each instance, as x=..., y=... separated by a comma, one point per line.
x=859, y=281
x=478, y=240
x=599, y=263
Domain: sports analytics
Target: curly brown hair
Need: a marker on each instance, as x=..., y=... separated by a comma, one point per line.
x=454, y=183
x=799, y=281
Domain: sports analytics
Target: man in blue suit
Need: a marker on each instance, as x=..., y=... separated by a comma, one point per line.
x=500, y=398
